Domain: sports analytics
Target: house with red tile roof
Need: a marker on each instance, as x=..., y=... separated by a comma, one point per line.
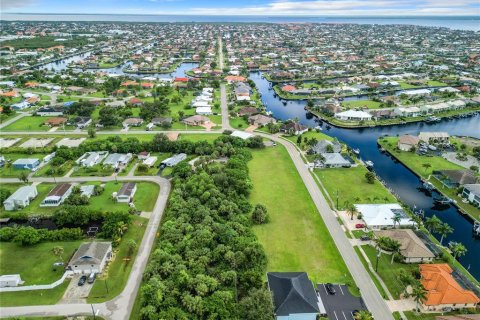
x=288, y=88
x=443, y=291
x=181, y=79
x=231, y=79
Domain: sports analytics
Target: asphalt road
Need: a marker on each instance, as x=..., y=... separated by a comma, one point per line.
x=121, y=306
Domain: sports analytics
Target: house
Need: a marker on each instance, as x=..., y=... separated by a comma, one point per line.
x=162, y=121
x=380, y=216
x=294, y=296
x=150, y=161
x=91, y=257
x=57, y=195
x=408, y=111
x=353, y=115
x=326, y=146
x=10, y=280
x=143, y=155
x=28, y=163
x=133, y=122
x=89, y=159
x=87, y=190
x=333, y=160
x=261, y=120
x=82, y=122
x=203, y=111
x=412, y=247
x=241, y=134
x=196, y=120
x=20, y=105
x=172, y=161
x=231, y=79
x=434, y=137
x=455, y=178
x=247, y=111
x=293, y=128
x=20, y=198
x=50, y=111
x=126, y=192
x=472, y=193
x=443, y=291
x=117, y=159
x=407, y=142
x=55, y=122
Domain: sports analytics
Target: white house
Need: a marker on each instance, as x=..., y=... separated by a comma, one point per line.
x=241, y=134
x=172, y=161
x=91, y=257
x=407, y=111
x=472, y=193
x=116, y=159
x=381, y=216
x=150, y=161
x=57, y=195
x=20, y=198
x=89, y=159
x=10, y=280
x=353, y=115
x=126, y=192
x=203, y=110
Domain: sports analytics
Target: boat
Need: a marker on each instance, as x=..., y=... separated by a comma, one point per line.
x=318, y=128
x=369, y=164
x=427, y=185
x=476, y=229
x=356, y=151
x=443, y=200
x=432, y=119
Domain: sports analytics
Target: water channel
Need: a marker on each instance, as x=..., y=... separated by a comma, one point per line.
x=396, y=176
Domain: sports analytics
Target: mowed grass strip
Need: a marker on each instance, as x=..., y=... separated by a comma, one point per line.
x=296, y=238
x=33, y=297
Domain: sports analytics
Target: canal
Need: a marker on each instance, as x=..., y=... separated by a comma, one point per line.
x=397, y=177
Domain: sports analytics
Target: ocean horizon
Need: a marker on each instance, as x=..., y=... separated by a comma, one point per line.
x=471, y=23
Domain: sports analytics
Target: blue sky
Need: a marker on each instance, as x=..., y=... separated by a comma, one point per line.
x=249, y=7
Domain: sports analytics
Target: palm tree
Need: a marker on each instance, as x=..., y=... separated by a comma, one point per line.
x=416, y=220
x=363, y=315
x=426, y=166
x=396, y=219
x=385, y=199
x=419, y=294
x=351, y=210
x=432, y=223
x=395, y=247
x=406, y=279
x=458, y=250
x=444, y=229
x=375, y=199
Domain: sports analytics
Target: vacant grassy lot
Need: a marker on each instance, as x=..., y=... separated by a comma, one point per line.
x=32, y=298
x=296, y=238
x=370, y=104
x=35, y=266
x=118, y=271
x=415, y=163
x=351, y=185
x=28, y=124
x=309, y=135
x=199, y=137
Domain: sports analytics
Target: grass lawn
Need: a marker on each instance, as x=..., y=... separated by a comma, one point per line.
x=34, y=208
x=33, y=298
x=415, y=162
x=388, y=271
x=239, y=123
x=153, y=170
x=435, y=83
x=60, y=171
x=374, y=279
x=308, y=135
x=405, y=85
x=36, y=266
x=28, y=124
x=370, y=104
x=296, y=237
x=9, y=171
x=96, y=170
x=352, y=186
x=126, y=170
x=119, y=269
x=210, y=137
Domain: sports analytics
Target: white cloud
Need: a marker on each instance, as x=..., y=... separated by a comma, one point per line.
x=12, y=4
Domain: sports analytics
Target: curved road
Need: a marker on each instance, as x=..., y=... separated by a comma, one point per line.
x=121, y=306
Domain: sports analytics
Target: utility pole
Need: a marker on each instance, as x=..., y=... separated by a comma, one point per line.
x=93, y=312
x=337, y=199
x=378, y=256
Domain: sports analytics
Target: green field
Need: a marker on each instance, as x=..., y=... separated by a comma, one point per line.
x=199, y=137
x=308, y=135
x=118, y=271
x=351, y=185
x=372, y=276
x=361, y=103
x=28, y=124
x=34, y=297
x=295, y=239
x=36, y=264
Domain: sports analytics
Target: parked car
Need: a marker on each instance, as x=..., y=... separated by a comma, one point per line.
x=82, y=280
x=359, y=226
x=91, y=277
x=330, y=288
x=354, y=313
x=364, y=238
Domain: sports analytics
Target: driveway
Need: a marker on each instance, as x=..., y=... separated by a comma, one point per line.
x=76, y=293
x=340, y=305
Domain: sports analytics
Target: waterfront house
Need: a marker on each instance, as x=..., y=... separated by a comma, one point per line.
x=20, y=198
x=434, y=137
x=326, y=146
x=91, y=257
x=57, y=195
x=260, y=120
x=126, y=192
x=380, y=216
x=407, y=142
x=455, y=178
x=471, y=192
x=408, y=111
x=293, y=128
x=294, y=296
x=353, y=115
x=332, y=160
x=443, y=291
x=412, y=248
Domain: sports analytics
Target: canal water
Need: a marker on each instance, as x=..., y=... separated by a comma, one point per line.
x=397, y=177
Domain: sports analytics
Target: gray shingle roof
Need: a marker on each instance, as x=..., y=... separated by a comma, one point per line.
x=91, y=253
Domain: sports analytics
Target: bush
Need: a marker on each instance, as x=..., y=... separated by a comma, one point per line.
x=4, y=194
x=260, y=214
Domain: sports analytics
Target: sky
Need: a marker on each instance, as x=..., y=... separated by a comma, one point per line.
x=250, y=7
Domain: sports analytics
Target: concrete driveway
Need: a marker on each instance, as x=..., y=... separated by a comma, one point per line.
x=340, y=305
x=76, y=293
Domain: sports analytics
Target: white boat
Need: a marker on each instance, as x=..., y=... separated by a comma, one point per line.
x=369, y=163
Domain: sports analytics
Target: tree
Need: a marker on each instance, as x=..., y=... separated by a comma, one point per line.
x=417, y=220
x=92, y=133
x=396, y=219
x=363, y=315
x=444, y=230
x=458, y=250
x=257, y=305
x=406, y=279
x=299, y=140
x=351, y=210
x=426, y=166
x=132, y=245
x=260, y=214
x=432, y=223
x=58, y=252
x=27, y=236
x=419, y=294
x=395, y=248
x=23, y=176
x=370, y=176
